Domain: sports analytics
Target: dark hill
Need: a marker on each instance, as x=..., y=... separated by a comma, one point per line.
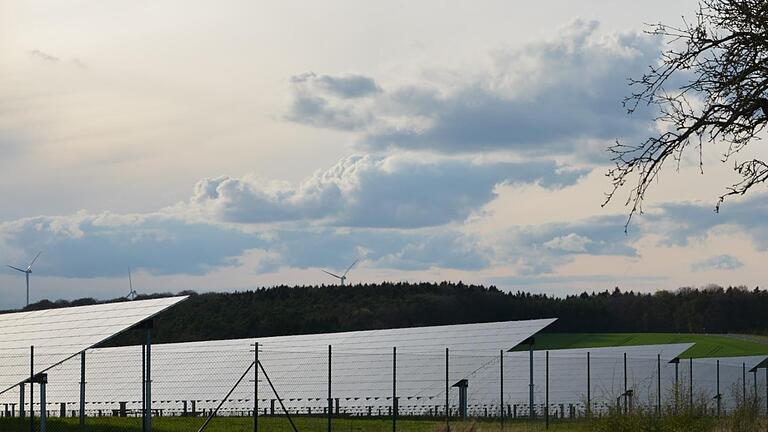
x=287, y=310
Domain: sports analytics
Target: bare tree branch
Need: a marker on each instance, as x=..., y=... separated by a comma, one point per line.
x=710, y=86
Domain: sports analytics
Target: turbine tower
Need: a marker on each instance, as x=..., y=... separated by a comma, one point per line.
x=27, y=272
x=343, y=277
x=132, y=294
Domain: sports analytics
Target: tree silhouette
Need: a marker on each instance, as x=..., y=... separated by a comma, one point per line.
x=286, y=310
x=709, y=87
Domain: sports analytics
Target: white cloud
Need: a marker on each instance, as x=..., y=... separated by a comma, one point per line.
x=569, y=243
x=373, y=191
x=719, y=262
x=553, y=97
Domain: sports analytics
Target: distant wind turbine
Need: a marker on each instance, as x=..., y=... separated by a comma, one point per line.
x=132, y=294
x=343, y=277
x=27, y=272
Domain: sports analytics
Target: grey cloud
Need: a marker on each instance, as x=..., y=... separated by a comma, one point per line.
x=572, y=242
x=249, y=200
x=477, y=121
x=104, y=245
x=447, y=249
x=345, y=86
x=575, y=284
x=413, y=100
x=93, y=245
x=572, y=94
x=540, y=249
x=79, y=63
x=84, y=245
x=399, y=211
x=556, y=97
x=369, y=191
x=719, y=262
x=50, y=58
x=383, y=248
x=600, y=281
x=319, y=112
x=331, y=101
x=595, y=236
x=680, y=223
x=45, y=56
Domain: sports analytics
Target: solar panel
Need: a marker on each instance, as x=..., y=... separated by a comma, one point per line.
x=732, y=374
x=459, y=338
x=59, y=334
x=362, y=372
x=297, y=365
x=568, y=374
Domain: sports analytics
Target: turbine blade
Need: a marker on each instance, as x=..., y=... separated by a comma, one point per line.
x=130, y=282
x=16, y=268
x=350, y=267
x=334, y=275
x=33, y=260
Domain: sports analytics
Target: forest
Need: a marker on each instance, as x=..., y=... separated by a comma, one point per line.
x=287, y=310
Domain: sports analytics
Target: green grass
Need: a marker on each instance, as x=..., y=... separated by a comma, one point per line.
x=610, y=423
x=706, y=345
x=280, y=424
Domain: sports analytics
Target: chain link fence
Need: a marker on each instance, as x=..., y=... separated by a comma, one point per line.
x=230, y=384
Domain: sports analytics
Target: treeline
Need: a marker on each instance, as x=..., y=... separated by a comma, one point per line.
x=285, y=310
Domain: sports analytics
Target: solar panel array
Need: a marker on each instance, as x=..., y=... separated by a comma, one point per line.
x=59, y=334
x=297, y=365
x=568, y=376
x=197, y=375
x=737, y=381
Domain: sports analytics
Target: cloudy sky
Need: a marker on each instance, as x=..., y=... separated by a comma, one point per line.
x=231, y=145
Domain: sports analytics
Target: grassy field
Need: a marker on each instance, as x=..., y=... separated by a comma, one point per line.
x=706, y=345
x=272, y=424
x=611, y=423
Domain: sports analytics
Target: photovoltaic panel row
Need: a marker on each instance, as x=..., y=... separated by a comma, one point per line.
x=568, y=374
x=736, y=377
x=297, y=365
x=58, y=334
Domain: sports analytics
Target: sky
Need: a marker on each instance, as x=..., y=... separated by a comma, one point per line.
x=222, y=146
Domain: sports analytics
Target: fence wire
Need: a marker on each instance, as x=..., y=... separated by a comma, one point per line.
x=323, y=388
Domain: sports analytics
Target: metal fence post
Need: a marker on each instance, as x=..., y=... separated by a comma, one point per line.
x=677, y=382
x=394, y=389
x=744, y=383
x=532, y=412
x=82, y=390
x=149, y=378
x=256, y=387
x=546, y=391
x=754, y=397
x=501, y=387
x=144, y=386
x=43, y=406
x=625, y=385
x=589, y=388
x=690, y=390
x=330, y=400
x=658, y=384
x=717, y=386
x=447, y=413
x=31, y=389
x=22, y=403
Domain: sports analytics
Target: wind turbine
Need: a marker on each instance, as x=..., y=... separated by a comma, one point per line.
x=132, y=294
x=343, y=277
x=27, y=272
